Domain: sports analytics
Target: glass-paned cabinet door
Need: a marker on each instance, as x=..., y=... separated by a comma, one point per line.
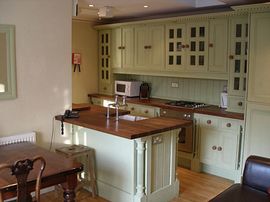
x=104, y=54
x=238, y=55
x=197, y=46
x=175, y=46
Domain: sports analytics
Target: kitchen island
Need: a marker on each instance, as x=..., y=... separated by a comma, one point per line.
x=135, y=160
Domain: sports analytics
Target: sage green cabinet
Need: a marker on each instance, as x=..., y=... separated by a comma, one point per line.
x=258, y=99
x=197, y=46
x=220, y=145
x=149, y=47
x=218, y=48
x=187, y=46
x=105, y=74
x=175, y=46
x=123, y=47
x=259, y=66
x=238, y=63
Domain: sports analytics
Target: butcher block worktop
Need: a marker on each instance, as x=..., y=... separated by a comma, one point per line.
x=94, y=118
x=210, y=110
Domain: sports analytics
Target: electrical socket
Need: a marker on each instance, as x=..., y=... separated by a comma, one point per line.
x=175, y=85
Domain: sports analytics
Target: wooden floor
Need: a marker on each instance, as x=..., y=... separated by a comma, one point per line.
x=194, y=187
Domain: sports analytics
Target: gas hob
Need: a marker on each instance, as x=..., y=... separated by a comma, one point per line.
x=186, y=104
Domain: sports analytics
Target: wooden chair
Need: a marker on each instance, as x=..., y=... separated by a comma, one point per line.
x=21, y=169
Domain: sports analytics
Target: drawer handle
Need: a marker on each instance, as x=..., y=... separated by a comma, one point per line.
x=146, y=111
x=219, y=148
x=214, y=147
x=132, y=108
x=211, y=45
x=240, y=104
x=228, y=125
x=209, y=122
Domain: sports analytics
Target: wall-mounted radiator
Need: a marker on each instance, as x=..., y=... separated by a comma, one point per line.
x=24, y=137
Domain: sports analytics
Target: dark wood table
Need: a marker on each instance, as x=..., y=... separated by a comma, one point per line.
x=58, y=170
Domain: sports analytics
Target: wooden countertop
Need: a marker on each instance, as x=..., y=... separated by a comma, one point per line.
x=95, y=118
x=210, y=110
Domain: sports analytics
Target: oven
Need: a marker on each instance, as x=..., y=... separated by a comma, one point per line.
x=186, y=134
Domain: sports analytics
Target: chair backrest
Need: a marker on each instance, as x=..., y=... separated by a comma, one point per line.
x=257, y=173
x=21, y=169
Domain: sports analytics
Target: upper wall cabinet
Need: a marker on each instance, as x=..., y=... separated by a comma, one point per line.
x=218, y=40
x=259, y=66
x=123, y=47
x=186, y=46
x=105, y=74
x=238, y=49
x=149, y=47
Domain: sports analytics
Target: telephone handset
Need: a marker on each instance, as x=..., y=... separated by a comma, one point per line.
x=71, y=114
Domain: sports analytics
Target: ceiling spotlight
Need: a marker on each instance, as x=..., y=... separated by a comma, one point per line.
x=91, y=5
x=145, y=6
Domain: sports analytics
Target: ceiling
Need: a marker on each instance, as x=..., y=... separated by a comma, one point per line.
x=123, y=10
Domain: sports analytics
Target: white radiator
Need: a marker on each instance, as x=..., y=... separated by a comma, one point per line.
x=24, y=137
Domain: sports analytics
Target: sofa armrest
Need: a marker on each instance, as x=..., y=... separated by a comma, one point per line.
x=257, y=173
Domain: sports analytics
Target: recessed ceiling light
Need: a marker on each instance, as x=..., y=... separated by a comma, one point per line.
x=145, y=6
x=91, y=5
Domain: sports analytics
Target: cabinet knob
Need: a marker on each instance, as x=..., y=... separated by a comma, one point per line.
x=209, y=122
x=240, y=104
x=211, y=45
x=183, y=46
x=104, y=88
x=149, y=47
x=187, y=46
x=146, y=111
x=214, y=147
x=123, y=47
x=145, y=47
x=231, y=57
x=132, y=108
x=228, y=125
x=219, y=148
x=120, y=47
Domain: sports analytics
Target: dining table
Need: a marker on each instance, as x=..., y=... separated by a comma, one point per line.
x=58, y=170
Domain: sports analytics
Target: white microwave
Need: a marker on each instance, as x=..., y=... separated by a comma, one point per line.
x=127, y=88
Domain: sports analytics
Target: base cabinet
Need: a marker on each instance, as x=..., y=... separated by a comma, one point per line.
x=220, y=146
x=138, y=170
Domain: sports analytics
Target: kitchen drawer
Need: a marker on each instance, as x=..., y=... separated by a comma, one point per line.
x=141, y=110
x=236, y=104
x=209, y=121
x=229, y=124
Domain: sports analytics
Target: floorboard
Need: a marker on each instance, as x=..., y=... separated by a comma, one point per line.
x=194, y=187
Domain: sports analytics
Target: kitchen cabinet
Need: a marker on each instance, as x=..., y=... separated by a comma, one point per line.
x=123, y=47
x=187, y=46
x=197, y=46
x=149, y=47
x=105, y=74
x=143, y=110
x=238, y=60
x=259, y=71
x=258, y=96
x=220, y=145
x=175, y=46
x=218, y=40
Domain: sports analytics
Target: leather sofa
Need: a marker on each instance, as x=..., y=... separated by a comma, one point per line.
x=255, y=183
